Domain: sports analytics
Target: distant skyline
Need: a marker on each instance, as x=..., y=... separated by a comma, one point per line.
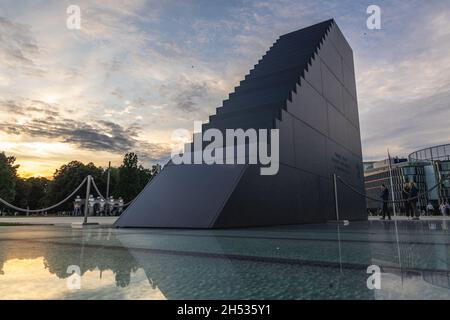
x=137, y=70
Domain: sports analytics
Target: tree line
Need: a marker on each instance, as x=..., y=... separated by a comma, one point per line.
x=126, y=181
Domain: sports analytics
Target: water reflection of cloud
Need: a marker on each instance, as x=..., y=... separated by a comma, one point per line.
x=31, y=279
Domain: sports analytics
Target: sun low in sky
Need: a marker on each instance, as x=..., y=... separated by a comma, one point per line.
x=137, y=70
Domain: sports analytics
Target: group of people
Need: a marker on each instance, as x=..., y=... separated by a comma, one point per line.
x=410, y=197
x=445, y=209
x=98, y=206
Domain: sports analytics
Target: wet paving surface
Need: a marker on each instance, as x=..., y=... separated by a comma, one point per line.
x=292, y=262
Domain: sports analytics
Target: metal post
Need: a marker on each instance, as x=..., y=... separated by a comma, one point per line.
x=107, y=188
x=392, y=184
x=336, y=202
x=86, y=204
x=336, y=206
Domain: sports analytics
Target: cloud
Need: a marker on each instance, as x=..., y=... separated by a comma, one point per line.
x=165, y=64
x=95, y=136
x=26, y=107
x=18, y=47
x=11, y=107
x=404, y=95
x=408, y=126
x=185, y=94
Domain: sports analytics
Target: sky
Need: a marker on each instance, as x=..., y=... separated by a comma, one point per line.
x=138, y=70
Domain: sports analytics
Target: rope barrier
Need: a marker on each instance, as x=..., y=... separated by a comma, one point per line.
x=98, y=191
x=6, y=203
x=44, y=209
x=393, y=201
x=126, y=204
x=102, y=197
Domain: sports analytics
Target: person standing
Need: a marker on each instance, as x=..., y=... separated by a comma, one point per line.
x=120, y=205
x=77, y=206
x=385, y=197
x=430, y=209
x=405, y=196
x=413, y=198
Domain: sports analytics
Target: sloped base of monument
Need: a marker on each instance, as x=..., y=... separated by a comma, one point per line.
x=183, y=196
x=233, y=196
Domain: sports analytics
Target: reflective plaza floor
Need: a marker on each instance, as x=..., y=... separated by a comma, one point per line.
x=293, y=262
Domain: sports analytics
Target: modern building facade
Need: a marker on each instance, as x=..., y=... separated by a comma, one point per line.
x=438, y=157
x=402, y=172
x=304, y=86
x=427, y=168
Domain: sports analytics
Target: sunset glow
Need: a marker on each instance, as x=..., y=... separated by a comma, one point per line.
x=136, y=71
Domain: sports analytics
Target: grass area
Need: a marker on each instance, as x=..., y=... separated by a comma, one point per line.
x=15, y=224
x=8, y=224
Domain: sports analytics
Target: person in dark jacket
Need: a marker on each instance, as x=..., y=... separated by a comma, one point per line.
x=405, y=195
x=413, y=198
x=385, y=197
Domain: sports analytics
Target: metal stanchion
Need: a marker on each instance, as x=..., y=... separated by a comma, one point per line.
x=86, y=203
x=107, y=189
x=336, y=207
x=86, y=208
x=336, y=203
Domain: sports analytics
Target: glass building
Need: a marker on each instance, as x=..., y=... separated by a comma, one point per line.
x=436, y=153
x=439, y=158
x=426, y=167
x=403, y=171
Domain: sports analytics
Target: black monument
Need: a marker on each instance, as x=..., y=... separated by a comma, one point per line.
x=304, y=86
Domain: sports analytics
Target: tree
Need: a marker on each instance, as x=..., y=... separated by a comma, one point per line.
x=8, y=177
x=114, y=183
x=38, y=191
x=22, y=192
x=130, y=160
x=69, y=176
x=32, y=193
x=133, y=177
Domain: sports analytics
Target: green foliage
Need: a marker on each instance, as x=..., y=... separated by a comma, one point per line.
x=32, y=193
x=68, y=177
x=133, y=177
x=8, y=177
x=22, y=193
x=126, y=181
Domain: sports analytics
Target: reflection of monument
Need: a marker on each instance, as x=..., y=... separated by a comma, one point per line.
x=213, y=267
x=278, y=263
x=305, y=87
x=120, y=262
x=417, y=257
x=88, y=255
